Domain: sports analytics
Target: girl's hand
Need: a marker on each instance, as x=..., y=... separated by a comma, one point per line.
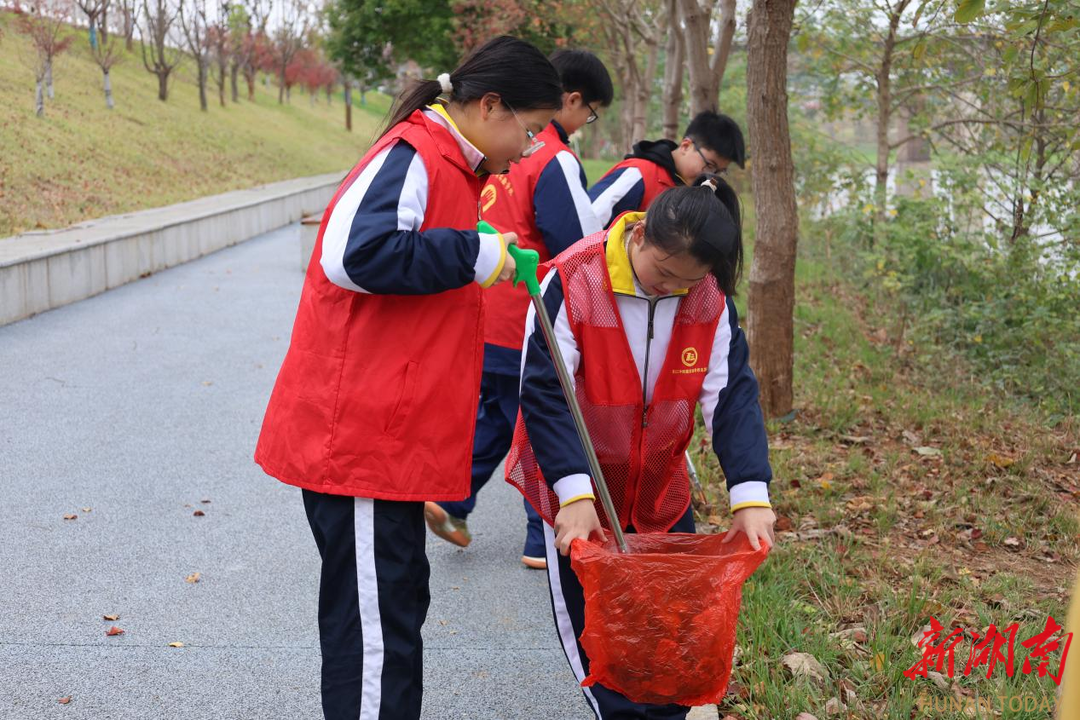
x=509, y=266
x=757, y=523
x=576, y=520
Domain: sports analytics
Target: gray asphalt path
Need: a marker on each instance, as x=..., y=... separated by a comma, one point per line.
x=144, y=402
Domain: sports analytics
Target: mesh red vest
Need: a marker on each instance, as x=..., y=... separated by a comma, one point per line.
x=507, y=203
x=641, y=451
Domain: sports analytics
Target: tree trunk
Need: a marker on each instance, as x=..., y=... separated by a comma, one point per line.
x=39, y=100
x=234, y=74
x=49, y=80
x=771, y=303
x=281, y=86
x=644, y=90
x=202, y=86
x=673, y=73
x=249, y=78
x=706, y=73
x=348, y=106
x=129, y=27
x=163, y=86
x=104, y=25
x=108, y=90
x=221, y=85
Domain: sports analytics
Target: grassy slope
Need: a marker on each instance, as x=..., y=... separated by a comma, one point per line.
x=83, y=161
x=879, y=537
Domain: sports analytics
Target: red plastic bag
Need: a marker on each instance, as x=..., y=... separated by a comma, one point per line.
x=660, y=620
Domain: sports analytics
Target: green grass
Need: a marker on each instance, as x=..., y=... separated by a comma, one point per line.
x=596, y=169
x=83, y=161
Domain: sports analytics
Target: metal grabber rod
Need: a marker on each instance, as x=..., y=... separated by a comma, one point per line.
x=527, y=261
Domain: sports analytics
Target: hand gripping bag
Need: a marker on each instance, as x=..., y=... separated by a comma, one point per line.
x=660, y=620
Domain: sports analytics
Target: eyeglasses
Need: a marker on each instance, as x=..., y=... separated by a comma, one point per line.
x=593, y=117
x=534, y=144
x=710, y=166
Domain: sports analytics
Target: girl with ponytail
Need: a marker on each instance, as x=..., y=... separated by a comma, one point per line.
x=383, y=370
x=644, y=317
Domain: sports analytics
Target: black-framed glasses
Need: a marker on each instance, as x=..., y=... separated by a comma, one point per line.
x=709, y=166
x=593, y=116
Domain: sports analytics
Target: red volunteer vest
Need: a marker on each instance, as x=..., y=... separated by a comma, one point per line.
x=377, y=395
x=656, y=178
x=641, y=451
x=507, y=203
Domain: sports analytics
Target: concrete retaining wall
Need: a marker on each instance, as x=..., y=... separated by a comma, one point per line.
x=41, y=271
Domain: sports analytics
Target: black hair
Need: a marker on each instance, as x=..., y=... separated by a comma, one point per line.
x=513, y=69
x=720, y=134
x=703, y=221
x=583, y=72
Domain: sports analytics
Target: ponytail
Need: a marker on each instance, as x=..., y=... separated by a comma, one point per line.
x=513, y=69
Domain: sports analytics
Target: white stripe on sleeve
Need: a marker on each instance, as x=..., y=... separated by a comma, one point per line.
x=717, y=377
x=582, y=205
x=412, y=204
x=605, y=203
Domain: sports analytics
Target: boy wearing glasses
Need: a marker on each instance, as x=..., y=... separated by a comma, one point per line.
x=544, y=199
x=711, y=142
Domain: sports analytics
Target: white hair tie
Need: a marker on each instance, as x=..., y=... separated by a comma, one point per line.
x=445, y=84
x=710, y=183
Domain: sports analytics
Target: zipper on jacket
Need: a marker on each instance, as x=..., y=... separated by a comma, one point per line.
x=645, y=380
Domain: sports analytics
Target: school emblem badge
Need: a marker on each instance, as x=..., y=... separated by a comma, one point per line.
x=487, y=197
x=689, y=357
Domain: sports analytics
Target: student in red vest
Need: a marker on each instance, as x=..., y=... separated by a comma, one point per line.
x=711, y=142
x=543, y=199
x=644, y=316
x=383, y=370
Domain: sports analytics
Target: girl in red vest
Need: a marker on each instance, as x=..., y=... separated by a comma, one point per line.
x=375, y=402
x=645, y=321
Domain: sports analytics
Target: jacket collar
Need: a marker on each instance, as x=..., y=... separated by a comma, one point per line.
x=437, y=115
x=617, y=256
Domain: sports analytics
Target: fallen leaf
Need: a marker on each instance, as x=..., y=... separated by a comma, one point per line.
x=833, y=706
x=1012, y=542
x=176, y=644
x=855, y=439
x=198, y=513
x=911, y=437
x=805, y=665
x=716, y=520
x=114, y=631
x=805, y=716
x=71, y=516
x=939, y=680
x=64, y=700
x=110, y=618
x=878, y=662
x=855, y=634
x=999, y=460
x=783, y=524
x=192, y=578
x=927, y=451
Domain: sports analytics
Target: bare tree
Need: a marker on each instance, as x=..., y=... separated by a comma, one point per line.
x=129, y=10
x=771, y=303
x=632, y=29
x=288, y=39
x=43, y=23
x=674, y=70
x=707, y=71
x=219, y=44
x=255, y=44
x=94, y=10
x=106, y=56
x=159, y=54
x=194, y=24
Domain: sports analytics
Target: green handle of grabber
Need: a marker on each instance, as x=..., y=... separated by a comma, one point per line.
x=526, y=262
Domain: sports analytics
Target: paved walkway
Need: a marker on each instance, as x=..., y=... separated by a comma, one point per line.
x=141, y=404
